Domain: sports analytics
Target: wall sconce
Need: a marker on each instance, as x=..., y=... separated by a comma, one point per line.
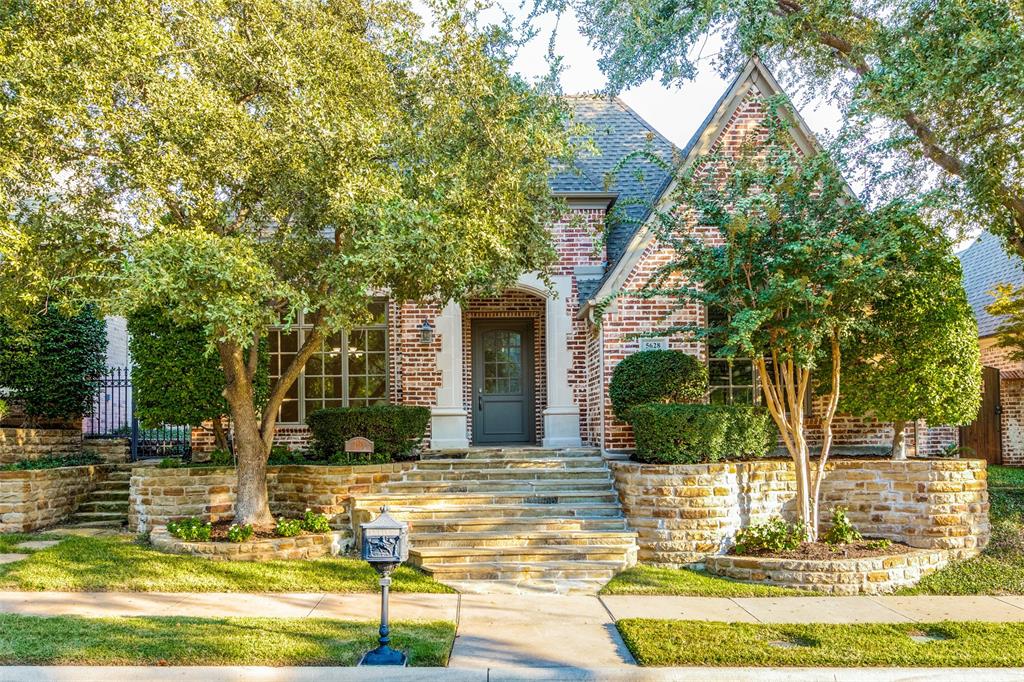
x=426, y=332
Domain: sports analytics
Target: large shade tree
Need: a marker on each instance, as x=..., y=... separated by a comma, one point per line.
x=800, y=266
x=919, y=359
x=240, y=162
x=940, y=82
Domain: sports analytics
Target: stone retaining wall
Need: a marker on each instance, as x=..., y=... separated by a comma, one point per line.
x=161, y=495
x=876, y=575
x=17, y=444
x=684, y=513
x=110, y=450
x=266, y=549
x=30, y=500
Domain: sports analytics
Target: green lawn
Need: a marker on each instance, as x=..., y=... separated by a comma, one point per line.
x=83, y=564
x=688, y=583
x=696, y=643
x=68, y=640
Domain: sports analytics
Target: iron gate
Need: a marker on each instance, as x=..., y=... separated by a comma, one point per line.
x=113, y=416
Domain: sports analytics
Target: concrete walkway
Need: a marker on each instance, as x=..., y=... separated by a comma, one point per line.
x=575, y=634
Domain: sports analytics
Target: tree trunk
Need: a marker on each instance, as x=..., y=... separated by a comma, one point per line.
x=220, y=437
x=899, y=440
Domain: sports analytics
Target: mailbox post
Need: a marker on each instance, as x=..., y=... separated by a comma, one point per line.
x=385, y=542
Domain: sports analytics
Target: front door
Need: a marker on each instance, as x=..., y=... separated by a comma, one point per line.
x=503, y=410
x=983, y=438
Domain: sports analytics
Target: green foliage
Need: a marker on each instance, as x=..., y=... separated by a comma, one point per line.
x=657, y=376
x=4, y=409
x=237, y=533
x=48, y=361
x=192, y=529
x=394, y=429
x=288, y=528
x=51, y=462
x=842, y=531
x=929, y=84
x=169, y=463
x=281, y=455
x=775, y=535
x=689, y=434
x=221, y=458
x=315, y=523
x=880, y=543
x=919, y=357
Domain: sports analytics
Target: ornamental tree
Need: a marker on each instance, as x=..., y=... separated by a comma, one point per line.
x=797, y=274
x=941, y=82
x=241, y=162
x=919, y=358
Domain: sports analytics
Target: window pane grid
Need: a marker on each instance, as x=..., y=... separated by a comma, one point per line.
x=732, y=382
x=350, y=369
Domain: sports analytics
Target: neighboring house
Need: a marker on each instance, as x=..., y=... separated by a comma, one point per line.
x=532, y=365
x=998, y=434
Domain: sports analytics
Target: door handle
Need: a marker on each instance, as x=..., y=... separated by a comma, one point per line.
x=480, y=401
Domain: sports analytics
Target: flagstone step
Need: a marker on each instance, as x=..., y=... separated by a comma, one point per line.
x=119, y=475
x=517, y=463
x=517, y=526
x=508, y=453
x=482, y=486
x=109, y=495
x=459, y=499
x=584, y=474
x=506, y=510
x=511, y=538
x=93, y=505
x=598, y=571
x=520, y=554
x=118, y=485
x=112, y=524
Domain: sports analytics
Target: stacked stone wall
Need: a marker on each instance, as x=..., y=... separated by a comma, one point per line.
x=19, y=444
x=40, y=498
x=161, y=495
x=684, y=513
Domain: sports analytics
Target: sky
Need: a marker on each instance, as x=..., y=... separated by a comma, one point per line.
x=674, y=111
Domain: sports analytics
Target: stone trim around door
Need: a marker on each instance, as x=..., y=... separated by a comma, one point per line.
x=561, y=416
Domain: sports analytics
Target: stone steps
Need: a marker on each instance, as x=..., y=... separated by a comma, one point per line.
x=518, y=518
x=482, y=539
x=117, y=485
x=93, y=506
x=107, y=505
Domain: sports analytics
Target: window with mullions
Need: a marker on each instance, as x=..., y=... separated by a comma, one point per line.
x=349, y=370
x=731, y=382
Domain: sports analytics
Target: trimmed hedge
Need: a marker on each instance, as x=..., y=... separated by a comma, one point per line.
x=394, y=429
x=657, y=376
x=692, y=434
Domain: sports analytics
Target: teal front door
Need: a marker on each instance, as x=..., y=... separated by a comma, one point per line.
x=503, y=400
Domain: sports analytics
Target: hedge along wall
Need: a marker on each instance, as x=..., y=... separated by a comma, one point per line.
x=18, y=444
x=161, y=495
x=43, y=497
x=686, y=512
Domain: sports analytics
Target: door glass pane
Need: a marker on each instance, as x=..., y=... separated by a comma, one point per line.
x=503, y=365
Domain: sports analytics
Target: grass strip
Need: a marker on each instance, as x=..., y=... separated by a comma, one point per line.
x=685, y=582
x=698, y=643
x=71, y=640
x=125, y=564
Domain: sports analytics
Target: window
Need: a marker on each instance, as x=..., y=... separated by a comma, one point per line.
x=731, y=381
x=349, y=370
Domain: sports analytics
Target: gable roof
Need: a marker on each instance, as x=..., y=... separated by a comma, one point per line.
x=754, y=75
x=617, y=132
x=985, y=265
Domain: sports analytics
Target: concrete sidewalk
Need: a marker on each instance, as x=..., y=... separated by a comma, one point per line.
x=574, y=634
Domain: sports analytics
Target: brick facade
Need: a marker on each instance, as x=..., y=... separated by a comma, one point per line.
x=1011, y=398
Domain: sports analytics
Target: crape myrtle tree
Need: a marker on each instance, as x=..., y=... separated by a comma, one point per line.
x=242, y=162
x=938, y=82
x=919, y=358
x=798, y=272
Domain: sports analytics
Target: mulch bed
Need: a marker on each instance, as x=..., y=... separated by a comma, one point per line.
x=219, y=533
x=820, y=551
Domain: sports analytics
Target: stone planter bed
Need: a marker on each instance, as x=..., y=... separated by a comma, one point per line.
x=874, y=575
x=311, y=546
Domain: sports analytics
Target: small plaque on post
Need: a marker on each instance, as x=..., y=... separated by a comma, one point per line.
x=359, y=444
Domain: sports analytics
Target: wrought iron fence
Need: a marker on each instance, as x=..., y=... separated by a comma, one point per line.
x=113, y=416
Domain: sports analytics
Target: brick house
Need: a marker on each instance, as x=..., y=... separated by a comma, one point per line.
x=998, y=434
x=532, y=365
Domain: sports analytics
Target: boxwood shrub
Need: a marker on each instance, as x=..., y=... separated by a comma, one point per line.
x=394, y=429
x=691, y=434
x=657, y=376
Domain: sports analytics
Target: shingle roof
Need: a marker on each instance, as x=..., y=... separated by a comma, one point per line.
x=985, y=265
x=617, y=132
